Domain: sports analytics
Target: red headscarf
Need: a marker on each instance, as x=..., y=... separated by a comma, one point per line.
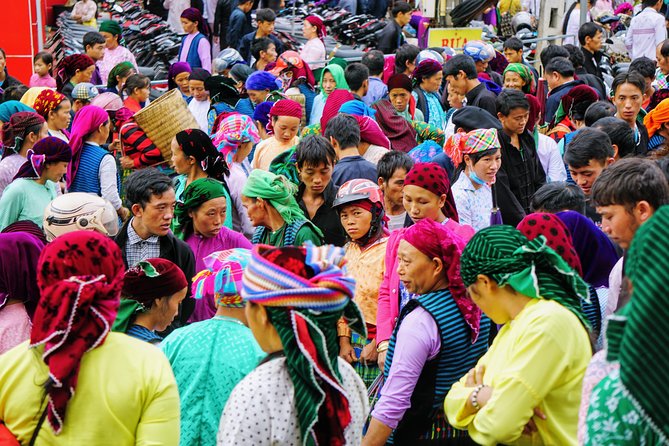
x=318, y=23
x=14, y=131
x=332, y=105
x=69, y=66
x=141, y=285
x=535, y=111
x=433, y=177
x=371, y=132
x=47, y=150
x=47, y=101
x=436, y=240
x=426, y=68
x=402, y=135
x=86, y=121
x=284, y=107
x=79, y=275
x=557, y=236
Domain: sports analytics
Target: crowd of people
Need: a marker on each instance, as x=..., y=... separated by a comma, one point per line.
x=422, y=247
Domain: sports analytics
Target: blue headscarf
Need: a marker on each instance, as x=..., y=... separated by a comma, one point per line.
x=261, y=113
x=262, y=80
x=7, y=109
x=357, y=108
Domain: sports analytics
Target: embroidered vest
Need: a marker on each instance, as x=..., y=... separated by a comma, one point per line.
x=425, y=419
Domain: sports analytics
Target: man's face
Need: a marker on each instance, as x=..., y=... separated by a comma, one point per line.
x=585, y=176
x=513, y=56
x=157, y=214
x=458, y=82
x=515, y=122
x=403, y=18
x=553, y=80
x=96, y=52
x=316, y=178
x=266, y=28
x=628, y=99
x=594, y=44
x=482, y=66
x=619, y=224
x=662, y=62
x=393, y=188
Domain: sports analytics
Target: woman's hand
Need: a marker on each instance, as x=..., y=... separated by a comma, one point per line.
x=381, y=360
x=369, y=354
x=475, y=379
x=531, y=426
x=346, y=350
x=127, y=163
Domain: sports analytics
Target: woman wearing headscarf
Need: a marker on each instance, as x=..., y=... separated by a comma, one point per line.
x=302, y=393
x=261, y=86
x=426, y=194
x=117, y=77
x=224, y=96
x=332, y=78
x=439, y=336
x=55, y=108
x=570, y=114
x=478, y=157
x=63, y=375
x=194, y=156
x=518, y=76
x=298, y=80
x=533, y=372
x=29, y=96
x=284, y=124
x=399, y=94
x=18, y=287
x=427, y=79
x=200, y=103
x=261, y=118
x=195, y=47
x=657, y=125
x=8, y=108
x=36, y=182
x=210, y=357
x=93, y=169
x=200, y=216
x=19, y=134
x=559, y=238
x=177, y=77
x=636, y=336
x=313, y=52
x=152, y=293
x=359, y=204
x=72, y=70
x=270, y=203
x=400, y=132
x=240, y=73
x=114, y=52
x=234, y=140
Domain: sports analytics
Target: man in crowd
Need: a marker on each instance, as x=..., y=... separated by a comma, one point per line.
x=460, y=72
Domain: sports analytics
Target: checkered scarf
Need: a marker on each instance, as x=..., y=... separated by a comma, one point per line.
x=476, y=141
x=233, y=131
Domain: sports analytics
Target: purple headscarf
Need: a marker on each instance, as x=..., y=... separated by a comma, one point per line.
x=45, y=151
x=18, y=269
x=194, y=15
x=597, y=253
x=176, y=69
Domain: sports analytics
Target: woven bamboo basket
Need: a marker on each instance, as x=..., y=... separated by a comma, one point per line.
x=163, y=118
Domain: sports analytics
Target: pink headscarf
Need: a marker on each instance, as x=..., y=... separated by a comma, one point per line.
x=86, y=121
x=371, y=132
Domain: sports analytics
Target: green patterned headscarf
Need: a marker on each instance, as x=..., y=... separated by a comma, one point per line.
x=195, y=195
x=525, y=74
x=118, y=70
x=529, y=267
x=337, y=73
x=277, y=190
x=645, y=335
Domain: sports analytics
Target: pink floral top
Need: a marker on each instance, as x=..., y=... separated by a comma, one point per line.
x=113, y=58
x=14, y=326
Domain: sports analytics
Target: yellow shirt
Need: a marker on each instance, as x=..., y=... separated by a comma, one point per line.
x=536, y=360
x=126, y=395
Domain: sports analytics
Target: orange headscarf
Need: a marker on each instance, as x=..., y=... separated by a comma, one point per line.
x=656, y=117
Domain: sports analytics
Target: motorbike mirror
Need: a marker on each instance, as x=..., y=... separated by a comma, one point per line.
x=118, y=8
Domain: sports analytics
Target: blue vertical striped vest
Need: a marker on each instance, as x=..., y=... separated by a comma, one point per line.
x=87, y=177
x=425, y=419
x=193, y=58
x=288, y=237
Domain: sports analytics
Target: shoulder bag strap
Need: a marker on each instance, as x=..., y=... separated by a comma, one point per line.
x=33, y=439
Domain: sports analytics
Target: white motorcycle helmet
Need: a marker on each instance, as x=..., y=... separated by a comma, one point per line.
x=79, y=211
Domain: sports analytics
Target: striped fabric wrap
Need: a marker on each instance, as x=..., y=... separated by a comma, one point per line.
x=222, y=278
x=305, y=312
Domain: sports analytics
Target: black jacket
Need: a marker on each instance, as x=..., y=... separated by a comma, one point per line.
x=326, y=218
x=592, y=62
x=176, y=251
x=592, y=81
x=481, y=97
x=246, y=41
x=389, y=38
x=221, y=21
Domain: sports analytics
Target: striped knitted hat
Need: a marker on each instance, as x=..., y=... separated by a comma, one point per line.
x=221, y=281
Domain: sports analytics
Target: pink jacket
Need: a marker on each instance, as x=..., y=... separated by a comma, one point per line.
x=389, y=301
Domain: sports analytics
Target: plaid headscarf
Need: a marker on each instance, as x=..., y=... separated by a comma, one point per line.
x=80, y=276
x=525, y=74
x=655, y=118
x=476, y=141
x=644, y=324
x=14, y=131
x=436, y=240
x=277, y=190
x=221, y=282
x=145, y=282
x=47, y=101
x=305, y=292
x=337, y=73
x=233, y=131
x=432, y=177
x=195, y=195
x=531, y=268
x=45, y=151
